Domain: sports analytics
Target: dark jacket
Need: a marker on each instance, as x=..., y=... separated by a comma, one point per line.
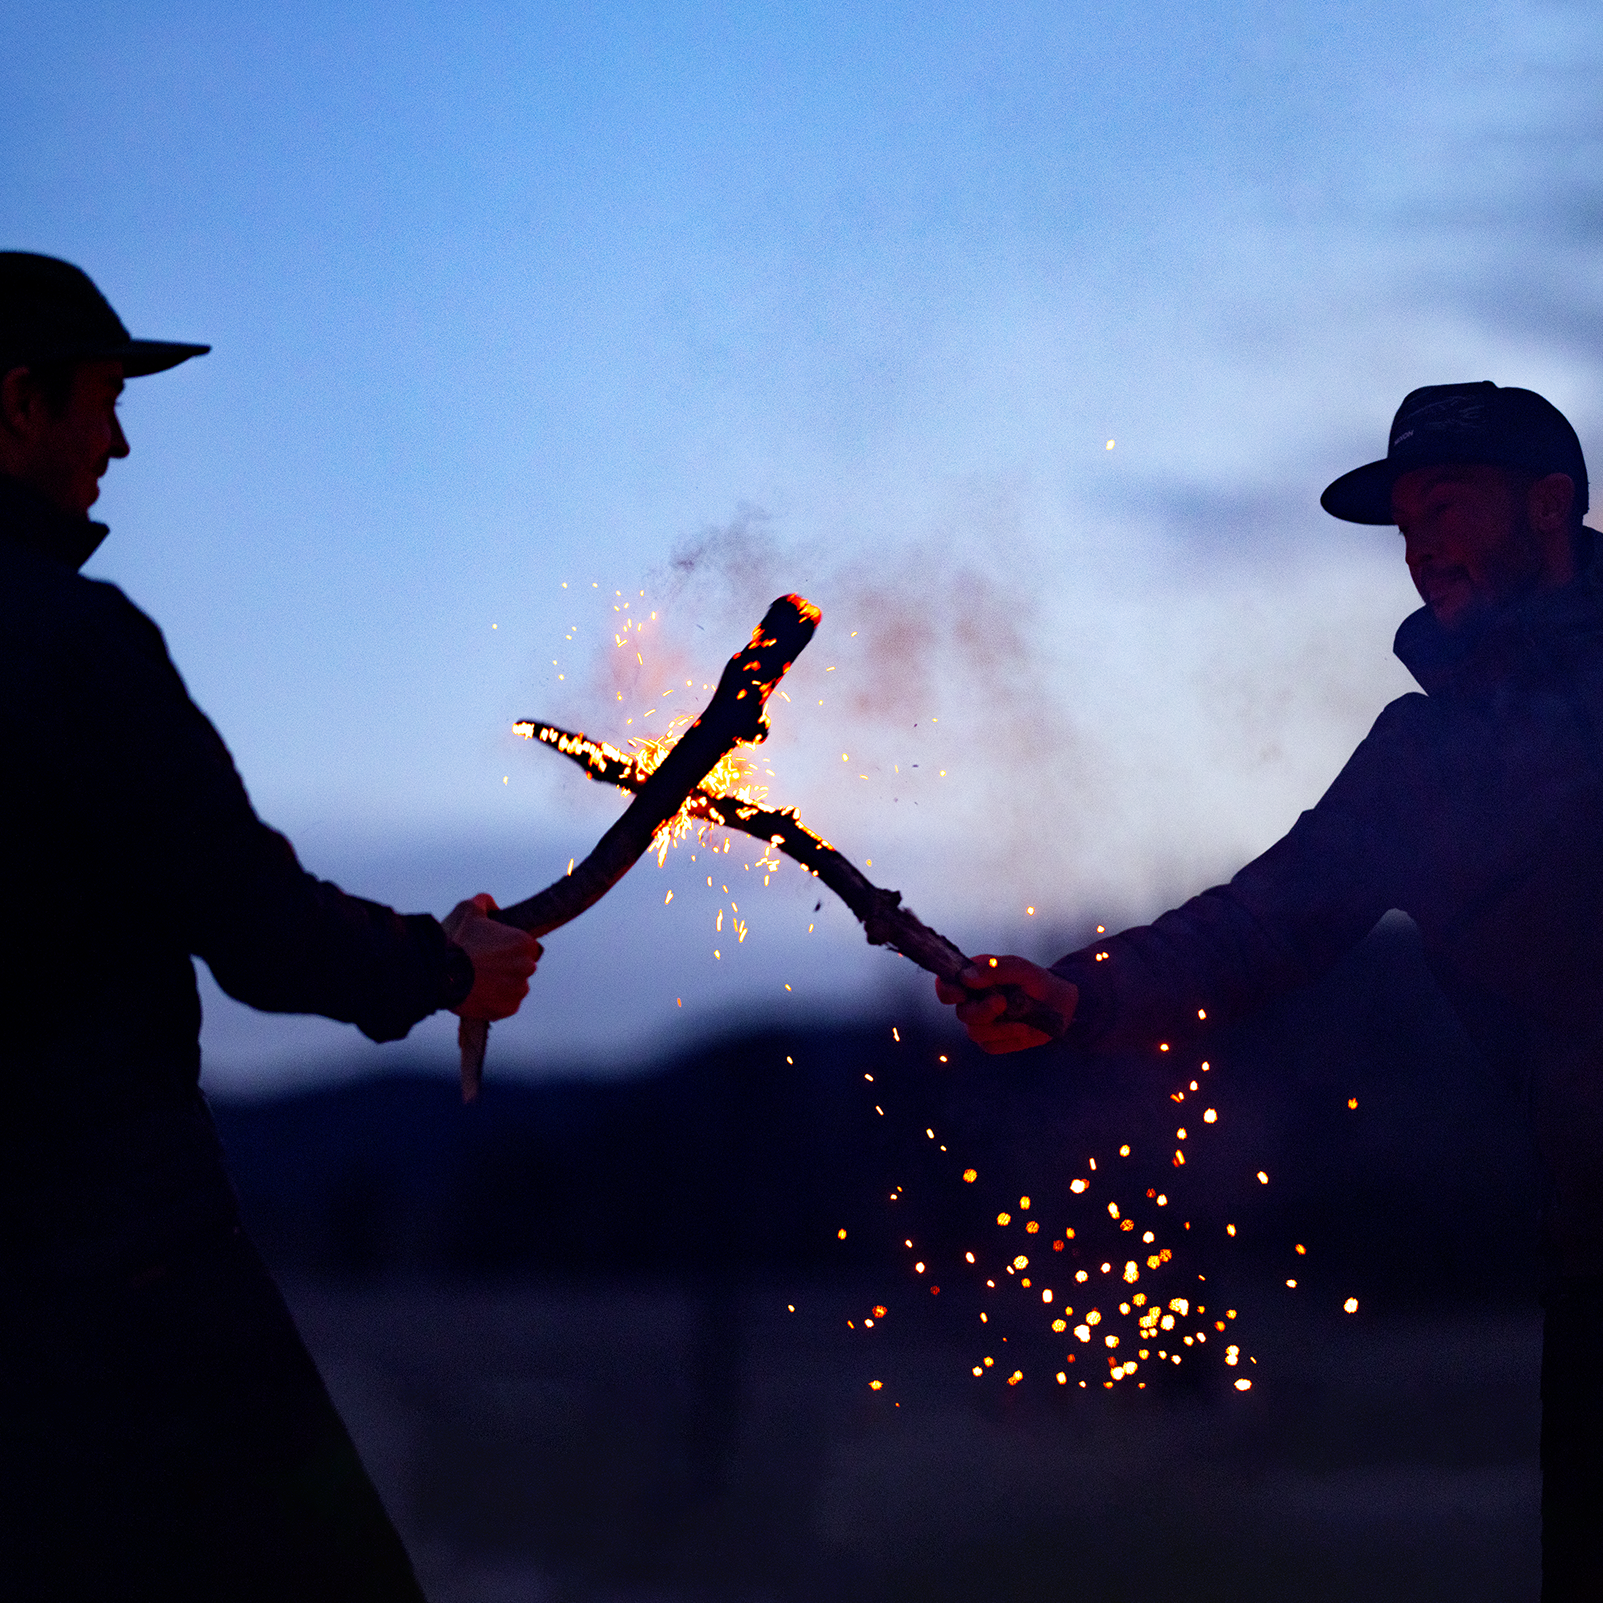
x=1477, y=809
x=128, y=846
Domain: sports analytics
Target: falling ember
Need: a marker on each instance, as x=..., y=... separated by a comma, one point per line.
x=1243, y=1384
x=876, y=1385
x=970, y=1175
x=1350, y=1306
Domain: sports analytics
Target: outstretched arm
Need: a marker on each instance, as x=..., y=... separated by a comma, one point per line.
x=1284, y=919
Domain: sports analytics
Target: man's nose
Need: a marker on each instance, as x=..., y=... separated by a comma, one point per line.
x=119, y=440
x=1417, y=547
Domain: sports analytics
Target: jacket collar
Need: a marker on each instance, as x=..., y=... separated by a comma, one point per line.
x=1524, y=637
x=31, y=521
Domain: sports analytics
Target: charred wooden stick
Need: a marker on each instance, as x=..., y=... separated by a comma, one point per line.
x=735, y=716
x=885, y=921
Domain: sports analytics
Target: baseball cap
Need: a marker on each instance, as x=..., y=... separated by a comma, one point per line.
x=50, y=311
x=1483, y=423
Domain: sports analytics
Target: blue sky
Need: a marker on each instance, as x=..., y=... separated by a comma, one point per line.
x=714, y=302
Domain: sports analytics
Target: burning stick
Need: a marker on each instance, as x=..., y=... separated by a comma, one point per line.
x=734, y=717
x=885, y=921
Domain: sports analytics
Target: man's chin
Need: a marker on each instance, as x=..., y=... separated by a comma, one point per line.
x=1455, y=611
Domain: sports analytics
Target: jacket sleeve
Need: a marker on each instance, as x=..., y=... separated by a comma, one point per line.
x=1283, y=920
x=185, y=850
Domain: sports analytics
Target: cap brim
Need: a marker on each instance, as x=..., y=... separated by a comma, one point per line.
x=1364, y=495
x=140, y=358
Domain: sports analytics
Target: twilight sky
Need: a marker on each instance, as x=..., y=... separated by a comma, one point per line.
x=522, y=311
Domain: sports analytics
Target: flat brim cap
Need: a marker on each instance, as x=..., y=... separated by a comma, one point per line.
x=51, y=311
x=1467, y=423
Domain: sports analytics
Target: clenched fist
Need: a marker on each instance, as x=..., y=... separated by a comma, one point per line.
x=503, y=959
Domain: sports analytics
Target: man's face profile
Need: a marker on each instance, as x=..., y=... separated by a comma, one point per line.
x=61, y=454
x=1475, y=537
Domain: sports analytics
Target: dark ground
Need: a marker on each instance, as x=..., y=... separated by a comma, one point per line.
x=557, y=1322
x=546, y=1442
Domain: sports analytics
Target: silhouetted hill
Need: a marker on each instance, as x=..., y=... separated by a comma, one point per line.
x=752, y=1154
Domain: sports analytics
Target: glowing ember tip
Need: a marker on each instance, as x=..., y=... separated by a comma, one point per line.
x=1350, y=1306
x=876, y=1385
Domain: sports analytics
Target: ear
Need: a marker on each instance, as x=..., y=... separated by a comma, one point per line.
x=1549, y=502
x=22, y=406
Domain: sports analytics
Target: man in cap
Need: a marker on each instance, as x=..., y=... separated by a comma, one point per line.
x=163, y=1431
x=1477, y=809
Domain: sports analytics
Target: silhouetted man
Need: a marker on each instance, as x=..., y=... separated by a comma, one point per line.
x=163, y=1432
x=1477, y=809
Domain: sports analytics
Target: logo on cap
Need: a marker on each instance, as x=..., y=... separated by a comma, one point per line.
x=1453, y=414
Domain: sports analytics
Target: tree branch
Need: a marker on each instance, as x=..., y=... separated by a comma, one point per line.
x=885, y=921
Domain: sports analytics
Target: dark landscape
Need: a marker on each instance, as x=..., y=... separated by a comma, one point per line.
x=560, y=1321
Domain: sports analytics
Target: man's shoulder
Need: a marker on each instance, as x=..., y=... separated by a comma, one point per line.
x=1412, y=716
x=47, y=604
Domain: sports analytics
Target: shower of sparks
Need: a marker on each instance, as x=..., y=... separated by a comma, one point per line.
x=1148, y=1316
